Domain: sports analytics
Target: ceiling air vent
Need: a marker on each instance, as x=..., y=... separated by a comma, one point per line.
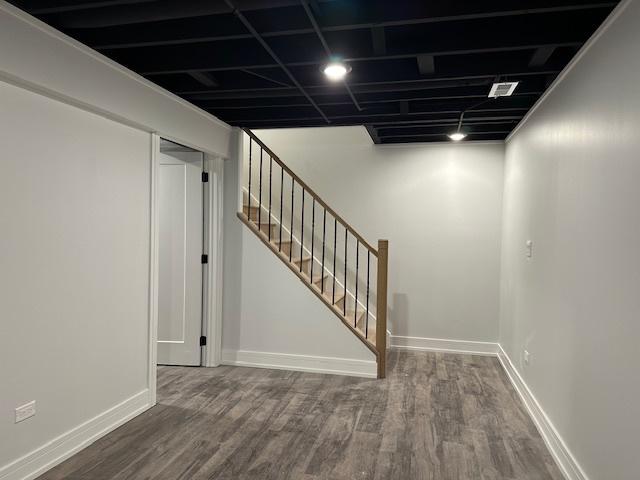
x=504, y=89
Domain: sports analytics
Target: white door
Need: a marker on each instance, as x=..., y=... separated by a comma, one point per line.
x=180, y=251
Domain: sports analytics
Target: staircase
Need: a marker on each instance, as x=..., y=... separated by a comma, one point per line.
x=336, y=263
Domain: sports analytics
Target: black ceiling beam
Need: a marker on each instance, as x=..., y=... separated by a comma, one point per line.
x=367, y=118
x=399, y=95
x=541, y=56
x=378, y=40
x=426, y=64
x=373, y=134
x=452, y=120
x=328, y=90
x=441, y=82
x=449, y=123
x=138, y=12
x=240, y=65
x=83, y=6
x=438, y=134
x=266, y=46
x=205, y=78
x=357, y=26
x=402, y=84
x=326, y=47
x=265, y=77
x=533, y=95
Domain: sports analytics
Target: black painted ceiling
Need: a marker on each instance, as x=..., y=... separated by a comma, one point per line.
x=416, y=64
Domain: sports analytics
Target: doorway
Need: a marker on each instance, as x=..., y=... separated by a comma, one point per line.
x=181, y=260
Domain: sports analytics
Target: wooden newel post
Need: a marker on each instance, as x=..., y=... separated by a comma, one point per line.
x=381, y=310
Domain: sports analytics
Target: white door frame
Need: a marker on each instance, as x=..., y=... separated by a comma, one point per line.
x=212, y=312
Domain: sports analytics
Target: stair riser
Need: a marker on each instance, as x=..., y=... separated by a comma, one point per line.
x=265, y=227
x=286, y=246
x=306, y=267
x=252, y=213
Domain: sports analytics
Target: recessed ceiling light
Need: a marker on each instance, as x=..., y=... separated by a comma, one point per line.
x=457, y=136
x=336, y=71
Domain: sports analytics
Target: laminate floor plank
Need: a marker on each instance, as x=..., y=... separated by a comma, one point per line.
x=436, y=416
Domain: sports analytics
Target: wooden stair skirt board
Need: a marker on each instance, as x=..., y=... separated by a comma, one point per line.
x=370, y=330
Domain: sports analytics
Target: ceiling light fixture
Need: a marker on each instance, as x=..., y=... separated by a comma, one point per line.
x=457, y=136
x=336, y=71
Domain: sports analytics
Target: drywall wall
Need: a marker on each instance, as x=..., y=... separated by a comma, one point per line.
x=74, y=281
x=75, y=188
x=269, y=315
x=572, y=187
x=439, y=205
x=39, y=57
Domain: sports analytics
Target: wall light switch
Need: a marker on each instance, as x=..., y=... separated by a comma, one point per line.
x=526, y=357
x=25, y=411
x=529, y=248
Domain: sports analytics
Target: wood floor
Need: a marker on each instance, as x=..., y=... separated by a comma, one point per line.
x=436, y=416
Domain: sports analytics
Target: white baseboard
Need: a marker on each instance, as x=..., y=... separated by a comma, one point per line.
x=561, y=453
x=301, y=363
x=59, y=449
x=443, y=345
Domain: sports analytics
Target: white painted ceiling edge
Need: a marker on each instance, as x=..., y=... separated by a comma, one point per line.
x=617, y=11
x=17, y=73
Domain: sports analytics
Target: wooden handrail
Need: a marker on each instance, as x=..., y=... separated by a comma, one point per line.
x=381, y=309
x=381, y=254
x=310, y=191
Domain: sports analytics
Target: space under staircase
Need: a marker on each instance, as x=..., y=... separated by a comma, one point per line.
x=334, y=261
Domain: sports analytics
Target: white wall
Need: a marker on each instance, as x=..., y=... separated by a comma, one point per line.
x=572, y=186
x=74, y=250
x=269, y=316
x=75, y=216
x=439, y=205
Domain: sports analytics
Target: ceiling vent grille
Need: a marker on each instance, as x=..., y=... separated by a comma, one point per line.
x=504, y=89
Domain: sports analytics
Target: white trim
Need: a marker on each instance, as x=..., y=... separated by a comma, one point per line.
x=443, y=345
x=214, y=281
x=301, y=363
x=62, y=447
x=617, y=11
x=154, y=262
x=556, y=445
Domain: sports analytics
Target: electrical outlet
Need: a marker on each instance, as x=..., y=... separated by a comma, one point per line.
x=529, y=248
x=25, y=411
x=526, y=357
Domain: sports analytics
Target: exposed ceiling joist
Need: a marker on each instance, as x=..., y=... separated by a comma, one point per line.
x=327, y=49
x=440, y=134
x=541, y=56
x=266, y=46
x=237, y=64
x=265, y=77
x=257, y=63
x=338, y=28
x=373, y=134
x=205, y=78
x=426, y=64
x=379, y=40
